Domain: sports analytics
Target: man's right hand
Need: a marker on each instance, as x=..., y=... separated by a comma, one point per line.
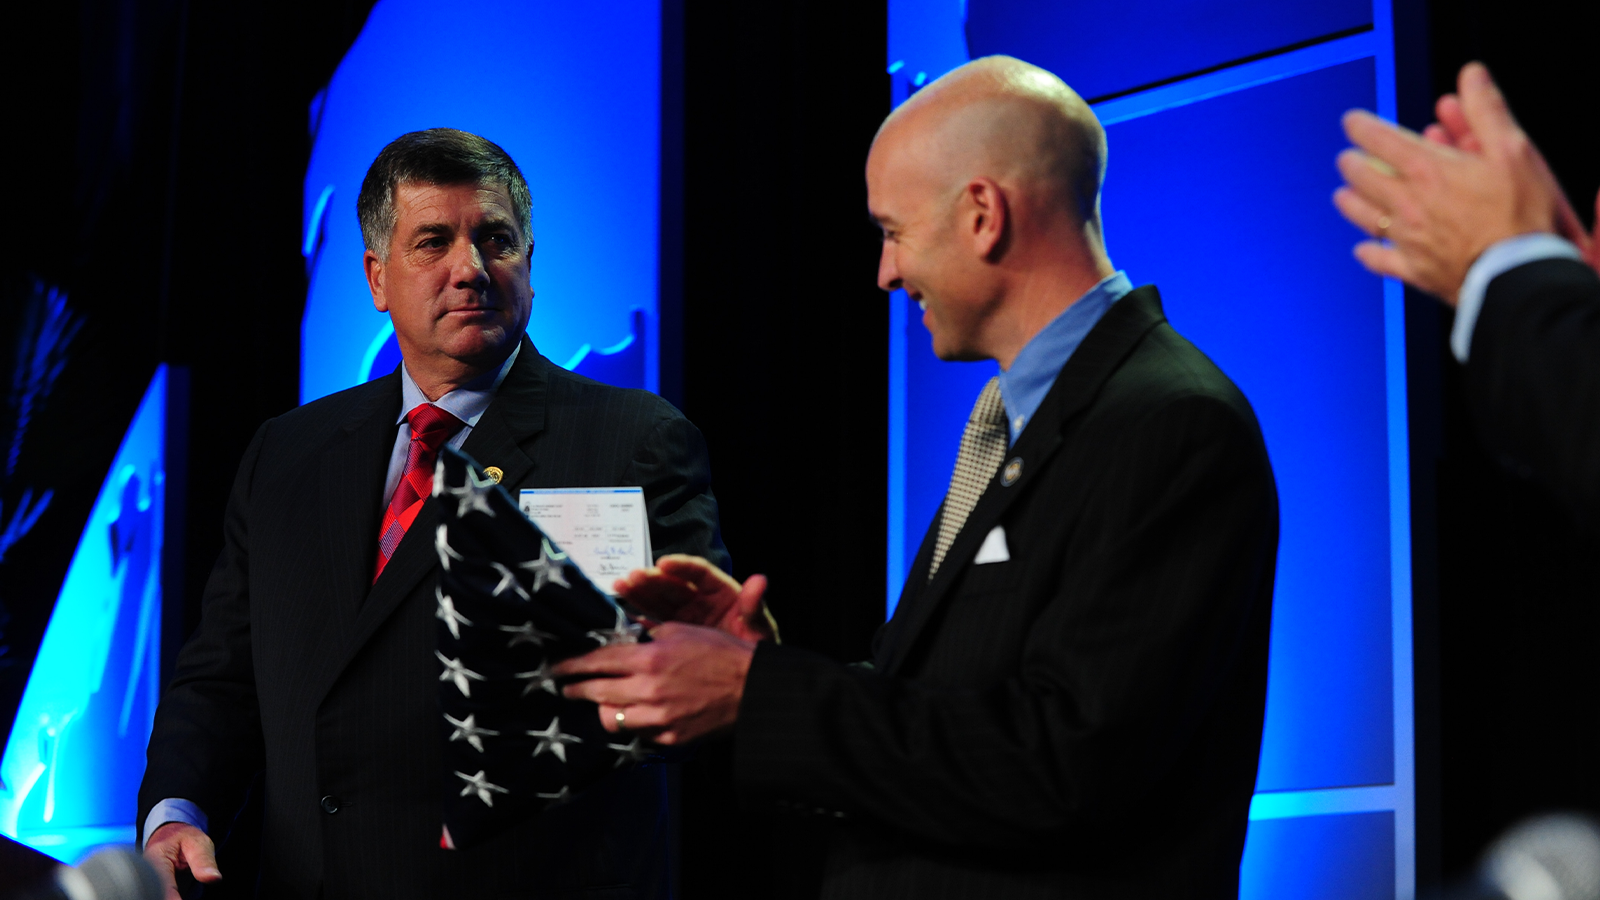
x=179, y=846
x=1454, y=129
x=1432, y=206
x=688, y=589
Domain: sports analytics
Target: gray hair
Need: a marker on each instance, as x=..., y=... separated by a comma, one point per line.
x=436, y=156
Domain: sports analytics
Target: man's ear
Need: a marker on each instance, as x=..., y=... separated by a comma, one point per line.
x=988, y=217
x=375, y=272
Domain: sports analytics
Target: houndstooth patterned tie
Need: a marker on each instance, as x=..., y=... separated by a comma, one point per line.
x=983, y=447
x=431, y=427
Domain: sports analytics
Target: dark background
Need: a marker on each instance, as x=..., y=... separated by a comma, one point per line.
x=162, y=145
x=1508, y=619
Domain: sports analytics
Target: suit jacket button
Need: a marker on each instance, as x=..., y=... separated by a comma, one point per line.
x=330, y=804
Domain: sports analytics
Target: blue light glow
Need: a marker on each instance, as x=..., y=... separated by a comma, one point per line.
x=898, y=561
x=925, y=37
x=583, y=353
x=381, y=354
x=1331, y=857
x=1238, y=78
x=314, y=226
x=575, y=100
x=1138, y=43
x=623, y=363
x=76, y=750
x=1309, y=352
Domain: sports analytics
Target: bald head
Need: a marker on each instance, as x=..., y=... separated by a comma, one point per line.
x=1005, y=119
x=986, y=184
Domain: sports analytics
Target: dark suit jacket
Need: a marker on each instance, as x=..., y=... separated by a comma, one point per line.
x=1084, y=719
x=304, y=668
x=1533, y=378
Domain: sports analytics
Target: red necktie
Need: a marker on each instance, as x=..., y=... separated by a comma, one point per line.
x=431, y=427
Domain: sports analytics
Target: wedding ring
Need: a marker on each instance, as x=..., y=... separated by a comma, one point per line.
x=622, y=719
x=1383, y=226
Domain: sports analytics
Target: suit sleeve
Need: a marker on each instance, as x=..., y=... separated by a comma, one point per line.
x=1152, y=630
x=1533, y=377
x=674, y=468
x=206, y=743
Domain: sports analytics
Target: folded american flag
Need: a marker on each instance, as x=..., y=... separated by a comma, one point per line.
x=510, y=606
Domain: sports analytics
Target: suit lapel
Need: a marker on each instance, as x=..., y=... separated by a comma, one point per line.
x=915, y=586
x=516, y=413
x=350, y=485
x=1102, y=350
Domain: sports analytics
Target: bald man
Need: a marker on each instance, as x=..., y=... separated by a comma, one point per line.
x=1068, y=700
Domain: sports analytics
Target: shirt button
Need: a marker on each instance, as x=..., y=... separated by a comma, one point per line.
x=1017, y=422
x=330, y=804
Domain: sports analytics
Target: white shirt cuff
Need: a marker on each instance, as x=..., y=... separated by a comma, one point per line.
x=172, y=809
x=1499, y=259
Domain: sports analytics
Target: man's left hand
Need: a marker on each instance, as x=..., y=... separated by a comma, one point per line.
x=683, y=685
x=688, y=589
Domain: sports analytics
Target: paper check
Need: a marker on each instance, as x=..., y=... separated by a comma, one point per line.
x=604, y=530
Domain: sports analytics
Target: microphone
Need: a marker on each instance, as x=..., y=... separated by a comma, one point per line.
x=115, y=873
x=1549, y=857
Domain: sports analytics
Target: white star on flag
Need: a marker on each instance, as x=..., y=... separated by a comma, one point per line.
x=460, y=674
x=539, y=678
x=441, y=545
x=547, y=568
x=633, y=751
x=508, y=579
x=472, y=495
x=526, y=634
x=447, y=612
x=467, y=730
x=553, y=740
x=623, y=632
x=480, y=784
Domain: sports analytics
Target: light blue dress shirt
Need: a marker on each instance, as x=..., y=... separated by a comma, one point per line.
x=1024, y=385
x=466, y=403
x=1499, y=259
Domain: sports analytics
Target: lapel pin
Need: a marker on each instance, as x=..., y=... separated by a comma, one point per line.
x=1012, y=472
x=494, y=473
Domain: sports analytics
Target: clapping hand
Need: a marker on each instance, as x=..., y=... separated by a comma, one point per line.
x=688, y=589
x=1434, y=202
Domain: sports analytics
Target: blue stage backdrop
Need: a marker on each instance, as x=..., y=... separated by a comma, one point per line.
x=1223, y=122
x=576, y=101
x=70, y=773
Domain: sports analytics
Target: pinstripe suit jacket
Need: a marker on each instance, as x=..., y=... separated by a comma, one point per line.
x=304, y=668
x=1084, y=719
x=1532, y=375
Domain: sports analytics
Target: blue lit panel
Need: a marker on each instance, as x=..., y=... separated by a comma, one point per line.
x=1224, y=205
x=572, y=92
x=1106, y=48
x=76, y=751
x=1347, y=857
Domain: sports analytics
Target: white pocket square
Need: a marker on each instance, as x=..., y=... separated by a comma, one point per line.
x=994, y=549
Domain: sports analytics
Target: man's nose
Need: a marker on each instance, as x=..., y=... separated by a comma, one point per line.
x=888, y=273
x=468, y=268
